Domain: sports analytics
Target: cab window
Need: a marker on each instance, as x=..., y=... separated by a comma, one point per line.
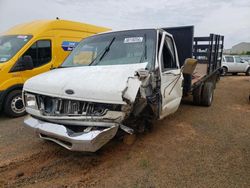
x=40, y=52
x=168, y=56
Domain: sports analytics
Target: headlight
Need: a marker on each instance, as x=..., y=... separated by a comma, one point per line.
x=30, y=101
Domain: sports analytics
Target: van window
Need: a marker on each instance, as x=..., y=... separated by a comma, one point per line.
x=168, y=57
x=229, y=59
x=40, y=52
x=11, y=44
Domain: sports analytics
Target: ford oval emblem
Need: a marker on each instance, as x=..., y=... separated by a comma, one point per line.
x=69, y=92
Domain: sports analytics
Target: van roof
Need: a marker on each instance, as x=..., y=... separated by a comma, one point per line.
x=39, y=26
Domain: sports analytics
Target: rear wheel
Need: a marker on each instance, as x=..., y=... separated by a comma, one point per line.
x=224, y=71
x=14, y=106
x=197, y=95
x=207, y=94
x=248, y=72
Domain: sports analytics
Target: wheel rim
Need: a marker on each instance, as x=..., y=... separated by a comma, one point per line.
x=17, y=105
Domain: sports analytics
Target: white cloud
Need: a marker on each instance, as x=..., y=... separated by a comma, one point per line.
x=228, y=17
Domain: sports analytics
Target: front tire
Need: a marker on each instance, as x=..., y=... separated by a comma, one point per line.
x=13, y=106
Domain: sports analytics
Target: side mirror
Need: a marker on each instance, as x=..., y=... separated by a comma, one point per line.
x=23, y=63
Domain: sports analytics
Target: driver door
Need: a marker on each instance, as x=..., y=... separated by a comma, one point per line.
x=171, y=76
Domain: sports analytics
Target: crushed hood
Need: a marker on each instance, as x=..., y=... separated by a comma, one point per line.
x=104, y=84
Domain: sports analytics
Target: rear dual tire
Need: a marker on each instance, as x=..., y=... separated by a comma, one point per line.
x=203, y=95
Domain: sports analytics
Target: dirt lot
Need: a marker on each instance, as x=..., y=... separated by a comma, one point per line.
x=195, y=147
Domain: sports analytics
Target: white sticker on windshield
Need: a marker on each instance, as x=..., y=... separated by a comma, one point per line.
x=133, y=39
x=22, y=36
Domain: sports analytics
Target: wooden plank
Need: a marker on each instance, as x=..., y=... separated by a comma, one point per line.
x=199, y=72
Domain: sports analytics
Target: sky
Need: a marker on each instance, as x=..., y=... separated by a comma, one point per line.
x=230, y=18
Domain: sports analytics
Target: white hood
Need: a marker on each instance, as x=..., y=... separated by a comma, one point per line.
x=91, y=83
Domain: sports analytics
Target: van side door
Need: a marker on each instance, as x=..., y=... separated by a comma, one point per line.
x=171, y=76
x=42, y=53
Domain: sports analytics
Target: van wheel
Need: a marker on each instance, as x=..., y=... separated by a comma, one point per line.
x=207, y=94
x=224, y=71
x=248, y=72
x=13, y=106
x=197, y=95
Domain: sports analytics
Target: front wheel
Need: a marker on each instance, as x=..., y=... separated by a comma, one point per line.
x=14, y=106
x=248, y=72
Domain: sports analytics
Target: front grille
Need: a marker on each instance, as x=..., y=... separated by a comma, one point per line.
x=59, y=107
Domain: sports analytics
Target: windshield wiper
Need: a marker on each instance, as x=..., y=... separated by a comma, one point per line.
x=103, y=52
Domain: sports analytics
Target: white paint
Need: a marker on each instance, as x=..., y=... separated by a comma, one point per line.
x=132, y=89
x=103, y=84
x=171, y=84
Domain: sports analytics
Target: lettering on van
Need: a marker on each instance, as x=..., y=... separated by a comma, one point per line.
x=69, y=45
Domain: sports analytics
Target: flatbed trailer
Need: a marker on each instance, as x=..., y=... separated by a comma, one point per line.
x=207, y=51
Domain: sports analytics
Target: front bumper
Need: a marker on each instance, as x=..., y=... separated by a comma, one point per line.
x=89, y=141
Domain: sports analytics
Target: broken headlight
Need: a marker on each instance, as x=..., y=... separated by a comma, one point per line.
x=30, y=101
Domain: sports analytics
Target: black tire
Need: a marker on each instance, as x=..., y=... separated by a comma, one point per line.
x=197, y=95
x=218, y=77
x=207, y=94
x=224, y=71
x=13, y=106
x=248, y=72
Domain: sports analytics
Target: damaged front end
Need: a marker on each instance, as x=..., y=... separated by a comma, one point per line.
x=87, y=126
x=75, y=125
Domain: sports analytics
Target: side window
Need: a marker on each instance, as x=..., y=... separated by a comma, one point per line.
x=238, y=60
x=40, y=52
x=229, y=59
x=168, y=56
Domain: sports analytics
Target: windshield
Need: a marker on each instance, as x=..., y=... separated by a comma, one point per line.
x=11, y=44
x=117, y=48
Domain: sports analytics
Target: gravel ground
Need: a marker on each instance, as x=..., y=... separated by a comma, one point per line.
x=195, y=147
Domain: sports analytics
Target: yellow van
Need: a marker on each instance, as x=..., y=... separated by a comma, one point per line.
x=33, y=48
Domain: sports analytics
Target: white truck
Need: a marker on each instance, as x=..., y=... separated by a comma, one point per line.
x=121, y=81
x=234, y=64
